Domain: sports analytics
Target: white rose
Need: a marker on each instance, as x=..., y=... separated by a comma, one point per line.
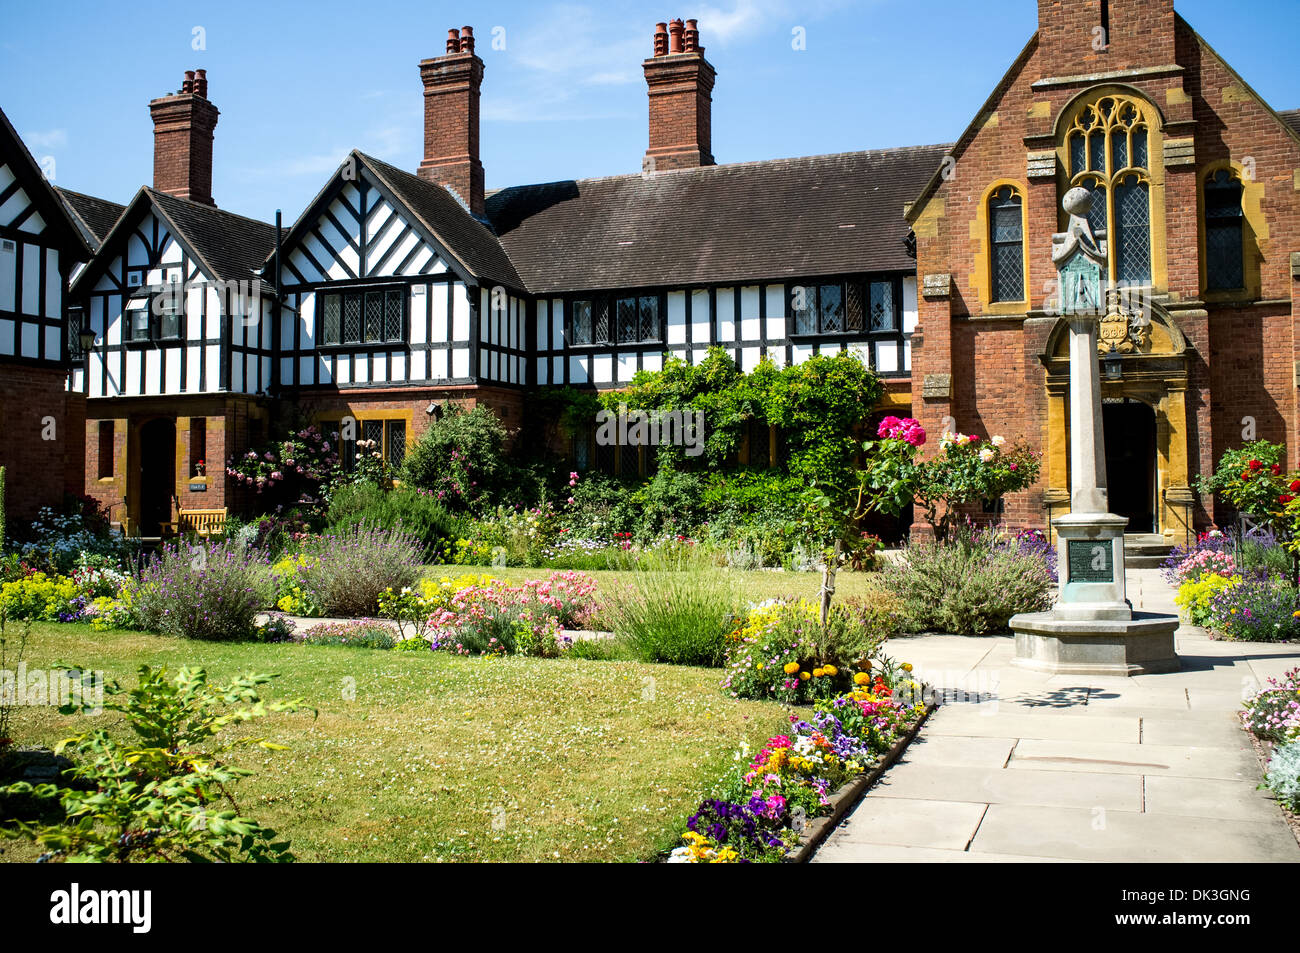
x=987, y=454
x=999, y=440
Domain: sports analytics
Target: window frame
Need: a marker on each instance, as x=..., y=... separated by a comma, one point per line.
x=1086, y=118
x=153, y=319
x=608, y=303
x=1018, y=194
x=363, y=293
x=1236, y=178
x=896, y=334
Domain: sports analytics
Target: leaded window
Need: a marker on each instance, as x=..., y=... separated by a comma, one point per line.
x=580, y=322
x=637, y=319
x=365, y=316
x=854, y=308
x=1224, y=232
x=1007, y=245
x=1108, y=145
x=883, y=315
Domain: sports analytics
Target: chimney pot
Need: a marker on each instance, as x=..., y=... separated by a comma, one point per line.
x=453, y=41
x=661, y=39
x=691, y=37
x=675, y=36
x=201, y=83
x=187, y=84
x=467, y=39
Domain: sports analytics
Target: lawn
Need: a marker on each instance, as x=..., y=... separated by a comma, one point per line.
x=754, y=585
x=418, y=757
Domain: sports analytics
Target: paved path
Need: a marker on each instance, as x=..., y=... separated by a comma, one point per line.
x=1077, y=768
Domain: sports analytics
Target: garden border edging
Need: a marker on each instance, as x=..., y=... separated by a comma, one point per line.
x=848, y=796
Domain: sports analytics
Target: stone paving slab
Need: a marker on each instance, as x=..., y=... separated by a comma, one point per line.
x=971, y=721
x=962, y=751
x=1202, y=797
x=1109, y=757
x=909, y=822
x=840, y=853
x=997, y=786
x=1079, y=834
x=1220, y=730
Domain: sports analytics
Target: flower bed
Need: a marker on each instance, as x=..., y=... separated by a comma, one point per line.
x=764, y=812
x=1272, y=716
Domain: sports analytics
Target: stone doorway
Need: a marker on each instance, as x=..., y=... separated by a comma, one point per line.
x=1130, y=432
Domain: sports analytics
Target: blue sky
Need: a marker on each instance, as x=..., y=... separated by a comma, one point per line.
x=299, y=84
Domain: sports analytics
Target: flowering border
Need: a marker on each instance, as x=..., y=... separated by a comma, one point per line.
x=848, y=795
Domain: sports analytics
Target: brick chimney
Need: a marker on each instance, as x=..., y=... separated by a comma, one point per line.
x=1074, y=36
x=451, y=97
x=182, y=140
x=680, y=82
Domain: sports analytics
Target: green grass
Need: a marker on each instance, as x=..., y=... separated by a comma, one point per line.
x=573, y=759
x=752, y=585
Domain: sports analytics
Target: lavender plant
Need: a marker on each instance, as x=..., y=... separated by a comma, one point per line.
x=348, y=571
x=209, y=590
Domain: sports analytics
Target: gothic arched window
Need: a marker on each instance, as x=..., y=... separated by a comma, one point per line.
x=1108, y=149
x=1224, y=258
x=1007, y=245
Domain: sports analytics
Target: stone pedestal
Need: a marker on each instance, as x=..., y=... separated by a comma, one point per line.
x=1093, y=629
x=1140, y=645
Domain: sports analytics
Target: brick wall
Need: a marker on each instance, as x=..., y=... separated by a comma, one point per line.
x=1242, y=348
x=679, y=81
x=41, y=450
x=182, y=145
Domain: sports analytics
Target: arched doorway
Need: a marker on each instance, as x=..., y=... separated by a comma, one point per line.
x=157, y=474
x=1130, y=432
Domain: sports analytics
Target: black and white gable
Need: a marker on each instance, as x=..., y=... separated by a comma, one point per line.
x=175, y=302
x=38, y=246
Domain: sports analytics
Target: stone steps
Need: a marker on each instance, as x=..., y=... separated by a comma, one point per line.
x=1145, y=550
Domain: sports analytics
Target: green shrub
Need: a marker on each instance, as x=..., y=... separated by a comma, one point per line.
x=677, y=616
x=40, y=597
x=971, y=584
x=596, y=650
x=345, y=573
x=207, y=591
x=460, y=459
x=417, y=512
x=165, y=795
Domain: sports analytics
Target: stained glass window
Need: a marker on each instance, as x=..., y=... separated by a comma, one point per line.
x=1116, y=137
x=1133, y=239
x=1006, y=227
x=1224, y=258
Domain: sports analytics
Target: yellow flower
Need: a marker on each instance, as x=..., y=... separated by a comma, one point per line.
x=804, y=676
x=759, y=666
x=907, y=666
x=791, y=667
x=830, y=670
x=818, y=672
x=861, y=678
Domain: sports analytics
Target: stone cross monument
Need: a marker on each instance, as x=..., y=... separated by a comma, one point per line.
x=1093, y=629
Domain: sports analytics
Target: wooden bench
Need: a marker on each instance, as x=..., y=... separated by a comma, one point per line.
x=203, y=522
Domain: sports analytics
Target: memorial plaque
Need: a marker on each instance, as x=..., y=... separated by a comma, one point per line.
x=1091, y=560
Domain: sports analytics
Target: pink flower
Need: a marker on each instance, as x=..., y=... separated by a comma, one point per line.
x=1012, y=467
x=570, y=501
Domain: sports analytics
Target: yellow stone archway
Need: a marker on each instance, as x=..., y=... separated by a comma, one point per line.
x=1153, y=370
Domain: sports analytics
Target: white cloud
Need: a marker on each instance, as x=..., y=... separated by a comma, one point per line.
x=46, y=139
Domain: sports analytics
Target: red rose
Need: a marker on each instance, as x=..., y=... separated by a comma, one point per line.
x=1275, y=469
x=1285, y=498
x=1295, y=486
x=1254, y=464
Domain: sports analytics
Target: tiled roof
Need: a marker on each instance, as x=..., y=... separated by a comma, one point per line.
x=96, y=217
x=451, y=223
x=1291, y=117
x=820, y=215
x=231, y=246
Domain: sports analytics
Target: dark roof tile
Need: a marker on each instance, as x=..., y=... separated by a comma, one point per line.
x=233, y=247
x=95, y=216
x=750, y=221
